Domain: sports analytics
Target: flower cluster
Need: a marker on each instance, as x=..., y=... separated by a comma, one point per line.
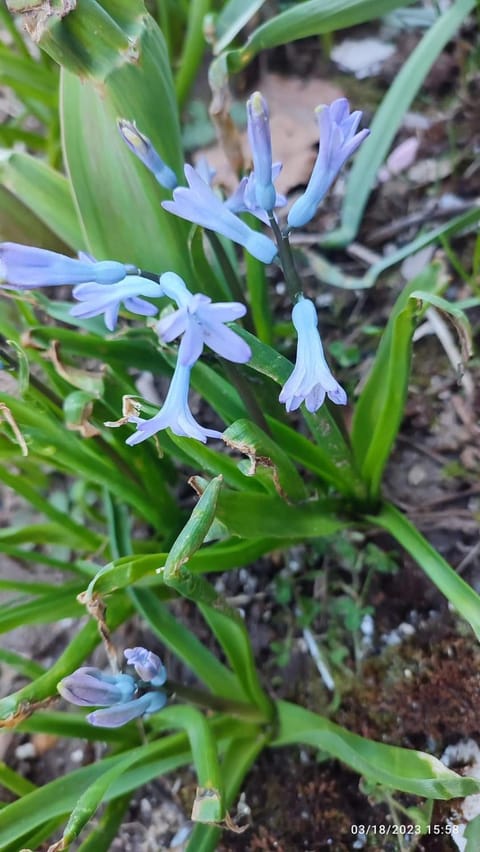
x=123, y=697
x=102, y=287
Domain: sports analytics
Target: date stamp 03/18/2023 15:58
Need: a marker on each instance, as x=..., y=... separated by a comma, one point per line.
x=384, y=829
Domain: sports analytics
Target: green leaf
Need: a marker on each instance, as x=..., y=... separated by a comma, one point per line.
x=118, y=200
x=465, y=600
x=142, y=570
x=185, y=645
x=256, y=515
x=239, y=757
x=249, y=439
x=18, y=224
x=472, y=834
x=14, y=782
x=305, y=19
x=397, y=768
x=379, y=410
x=65, y=32
x=73, y=725
x=455, y=314
x=90, y=800
x=208, y=805
x=46, y=193
x=22, y=665
x=389, y=117
x=234, y=15
x=13, y=706
x=105, y=831
x=55, y=800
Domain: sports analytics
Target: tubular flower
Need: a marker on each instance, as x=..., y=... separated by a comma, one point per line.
x=201, y=322
x=198, y=203
x=244, y=199
x=26, y=267
x=311, y=378
x=175, y=413
x=258, y=126
x=146, y=153
x=338, y=141
x=96, y=299
x=147, y=665
x=121, y=696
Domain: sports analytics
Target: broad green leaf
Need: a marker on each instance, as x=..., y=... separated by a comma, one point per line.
x=472, y=834
x=402, y=769
x=73, y=725
x=208, y=806
x=465, y=600
x=450, y=228
x=106, y=828
x=185, y=645
x=57, y=799
x=194, y=532
x=81, y=536
x=14, y=782
x=389, y=118
x=28, y=78
x=257, y=515
x=213, y=462
x=23, y=665
x=234, y=15
x=379, y=410
x=65, y=32
x=95, y=460
x=247, y=438
x=118, y=200
x=90, y=800
x=46, y=193
x=232, y=635
x=42, y=610
x=239, y=757
x=18, y=224
x=301, y=20
x=141, y=571
x=53, y=533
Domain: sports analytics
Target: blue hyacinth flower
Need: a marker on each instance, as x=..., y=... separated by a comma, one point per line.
x=97, y=299
x=147, y=665
x=146, y=153
x=198, y=203
x=258, y=128
x=311, y=379
x=90, y=687
x=25, y=267
x=338, y=141
x=121, y=696
x=201, y=322
x=244, y=199
x=120, y=714
x=175, y=413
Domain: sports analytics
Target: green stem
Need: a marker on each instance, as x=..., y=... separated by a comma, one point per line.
x=465, y=600
x=258, y=293
x=238, y=709
x=292, y=278
x=252, y=405
x=193, y=50
x=228, y=271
